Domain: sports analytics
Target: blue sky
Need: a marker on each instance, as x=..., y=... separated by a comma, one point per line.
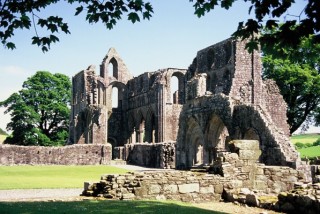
x=171, y=38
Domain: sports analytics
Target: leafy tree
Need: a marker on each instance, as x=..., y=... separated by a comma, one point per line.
x=267, y=15
x=15, y=14
x=297, y=73
x=2, y=132
x=18, y=14
x=40, y=111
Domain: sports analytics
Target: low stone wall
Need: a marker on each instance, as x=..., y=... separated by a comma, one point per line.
x=302, y=199
x=80, y=154
x=155, y=155
x=232, y=175
x=173, y=185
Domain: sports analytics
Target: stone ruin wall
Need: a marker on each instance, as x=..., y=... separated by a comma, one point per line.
x=67, y=155
x=235, y=176
x=222, y=88
x=225, y=89
x=88, y=115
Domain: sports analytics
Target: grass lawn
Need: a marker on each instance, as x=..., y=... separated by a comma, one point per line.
x=305, y=138
x=2, y=138
x=40, y=177
x=313, y=151
x=93, y=206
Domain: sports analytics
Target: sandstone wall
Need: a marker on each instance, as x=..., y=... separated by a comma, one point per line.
x=67, y=155
x=234, y=176
x=155, y=155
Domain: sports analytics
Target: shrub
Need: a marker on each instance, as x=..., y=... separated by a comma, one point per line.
x=317, y=142
x=308, y=144
x=299, y=145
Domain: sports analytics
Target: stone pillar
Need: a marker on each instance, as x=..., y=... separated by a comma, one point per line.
x=161, y=113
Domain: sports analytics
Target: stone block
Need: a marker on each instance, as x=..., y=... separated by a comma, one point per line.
x=218, y=188
x=244, y=145
x=127, y=196
x=206, y=190
x=154, y=189
x=260, y=185
x=170, y=188
x=252, y=199
x=87, y=185
x=141, y=192
x=249, y=154
x=188, y=188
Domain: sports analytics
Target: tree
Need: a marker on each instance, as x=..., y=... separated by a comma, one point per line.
x=267, y=16
x=15, y=14
x=297, y=73
x=40, y=111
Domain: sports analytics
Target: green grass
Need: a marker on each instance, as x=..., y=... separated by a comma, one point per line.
x=94, y=206
x=305, y=138
x=40, y=177
x=2, y=138
x=313, y=151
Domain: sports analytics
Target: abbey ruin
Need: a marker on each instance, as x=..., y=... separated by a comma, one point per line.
x=221, y=97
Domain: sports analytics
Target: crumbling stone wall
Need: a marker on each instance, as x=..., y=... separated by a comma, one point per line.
x=233, y=173
x=156, y=155
x=220, y=97
x=226, y=100
x=67, y=155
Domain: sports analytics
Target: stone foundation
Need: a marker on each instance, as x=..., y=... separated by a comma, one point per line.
x=67, y=155
x=155, y=155
x=231, y=174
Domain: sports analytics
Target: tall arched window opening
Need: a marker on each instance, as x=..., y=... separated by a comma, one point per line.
x=113, y=67
x=115, y=97
x=174, y=86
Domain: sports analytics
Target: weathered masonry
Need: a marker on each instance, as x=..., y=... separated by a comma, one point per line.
x=219, y=98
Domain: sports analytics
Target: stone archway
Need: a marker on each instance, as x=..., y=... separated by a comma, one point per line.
x=216, y=136
x=251, y=134
x=194, y=144
x=113, y=143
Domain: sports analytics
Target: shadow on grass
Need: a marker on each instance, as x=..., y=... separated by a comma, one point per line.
x=101, y=207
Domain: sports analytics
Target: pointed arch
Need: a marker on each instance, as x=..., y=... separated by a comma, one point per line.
x=113, y=64
x=195, y=144
x=216, y=137
x=140, y=127
x=131, y=129
x=150, y=128
x=177, y=87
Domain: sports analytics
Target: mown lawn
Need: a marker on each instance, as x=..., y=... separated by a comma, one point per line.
x=313, y=151
x=305, y=138
x=39, y=177
x=93, y=206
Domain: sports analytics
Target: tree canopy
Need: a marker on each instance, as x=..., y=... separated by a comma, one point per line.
x=40, y=111
x=297, y=73
x=18, y=14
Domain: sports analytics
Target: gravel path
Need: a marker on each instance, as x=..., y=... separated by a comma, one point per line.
x=38, y=194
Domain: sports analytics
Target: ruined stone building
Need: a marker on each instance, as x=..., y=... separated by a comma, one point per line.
x=220, y=97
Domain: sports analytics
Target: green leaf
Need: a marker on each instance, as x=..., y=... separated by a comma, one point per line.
x=78, y=10
x=11, y=45
x=133, y=17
